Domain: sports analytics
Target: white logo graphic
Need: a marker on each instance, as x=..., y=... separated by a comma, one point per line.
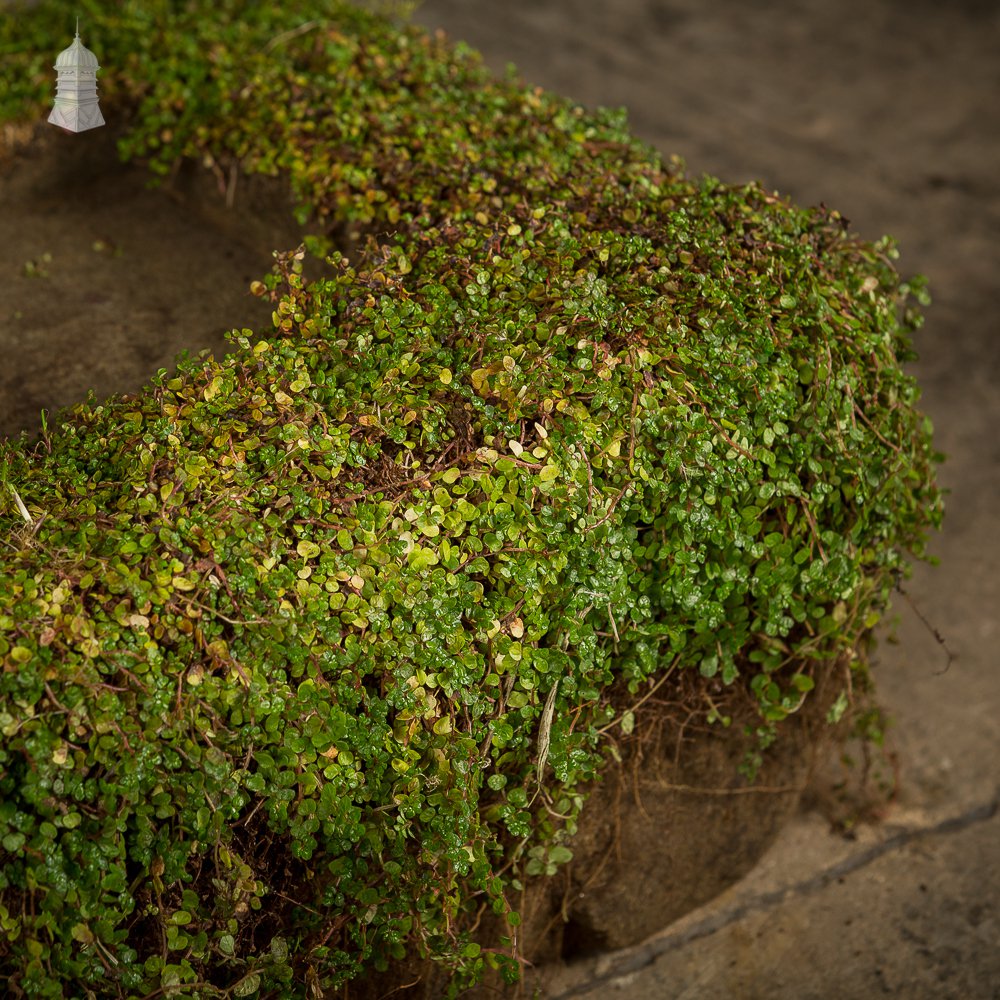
x=76, y=108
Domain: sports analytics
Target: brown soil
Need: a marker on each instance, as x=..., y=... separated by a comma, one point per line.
x=106, y=280
x=673, y=823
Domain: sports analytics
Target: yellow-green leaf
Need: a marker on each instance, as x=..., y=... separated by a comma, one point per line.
x=307, y=549
x=213, y=388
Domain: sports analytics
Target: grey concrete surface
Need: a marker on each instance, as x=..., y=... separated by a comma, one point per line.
x=888, y=110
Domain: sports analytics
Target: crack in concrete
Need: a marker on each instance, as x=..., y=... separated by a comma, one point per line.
x=647, y=954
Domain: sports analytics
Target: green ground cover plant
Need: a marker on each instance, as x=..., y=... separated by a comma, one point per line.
x=310, y=652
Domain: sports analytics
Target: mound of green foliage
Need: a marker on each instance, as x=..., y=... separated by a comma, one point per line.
x=309, y=653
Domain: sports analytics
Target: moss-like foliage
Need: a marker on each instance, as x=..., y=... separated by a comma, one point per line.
x=309, y=653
